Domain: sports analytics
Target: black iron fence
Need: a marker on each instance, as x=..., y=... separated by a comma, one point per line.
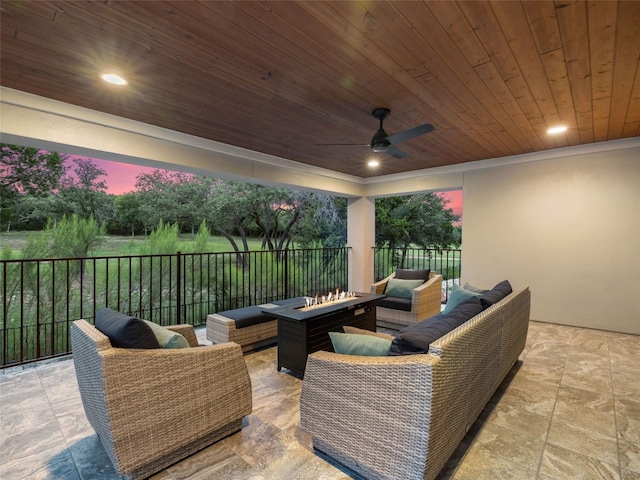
x=42, y=297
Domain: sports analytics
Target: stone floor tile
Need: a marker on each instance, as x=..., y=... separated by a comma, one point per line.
x=532, y=371
x=482, y=465
x=36, y=452
x=514, y=446
x=629, y=475
x=586, y=408
x=561, y=464
x=216, y=461
x=629, y=455
x=519, y=419
x=535, y=397
x=628, y=418
x=72, y=420
x=626, y=383
x=92, y=460
x=584, y=441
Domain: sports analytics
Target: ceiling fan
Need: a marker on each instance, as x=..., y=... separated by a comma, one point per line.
x=384, y=143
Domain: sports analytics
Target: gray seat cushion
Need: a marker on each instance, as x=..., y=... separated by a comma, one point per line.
x=397, y=303
x=247, y=316
x=254, y=315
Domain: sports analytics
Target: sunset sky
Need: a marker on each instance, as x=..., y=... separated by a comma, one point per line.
x=121, y=178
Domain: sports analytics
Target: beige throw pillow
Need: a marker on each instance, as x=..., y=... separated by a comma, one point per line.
x=360, y=331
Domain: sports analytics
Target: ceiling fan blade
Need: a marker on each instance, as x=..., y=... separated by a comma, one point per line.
x=411, y=133
x=341, y=144
x=395, y=152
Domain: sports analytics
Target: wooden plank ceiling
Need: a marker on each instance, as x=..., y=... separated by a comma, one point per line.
x=282, y=77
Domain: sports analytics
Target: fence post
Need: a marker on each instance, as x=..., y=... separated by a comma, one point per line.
x=286, y=273
x=178, y=287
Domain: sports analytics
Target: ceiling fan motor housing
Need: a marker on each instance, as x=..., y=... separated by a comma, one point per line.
x=379, y=142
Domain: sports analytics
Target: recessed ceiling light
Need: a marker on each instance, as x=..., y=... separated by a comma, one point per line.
x=373, y=163
x=557, y=130
x=113, y=78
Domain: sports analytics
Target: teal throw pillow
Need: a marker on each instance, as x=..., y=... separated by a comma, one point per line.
x=457, y=296
x=355, y=344
x=167, y=338
x=401, y=288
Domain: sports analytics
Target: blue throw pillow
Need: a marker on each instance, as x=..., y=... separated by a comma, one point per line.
x=401, y=288
x=416, y=338
x=457, y=296
x=355, y=344
x=125, y=331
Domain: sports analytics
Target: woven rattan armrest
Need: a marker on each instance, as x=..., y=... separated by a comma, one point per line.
x=371, y=410
x=380, y=286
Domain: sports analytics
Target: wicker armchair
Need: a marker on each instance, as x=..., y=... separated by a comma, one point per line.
x=426, y=301
x=152, y=408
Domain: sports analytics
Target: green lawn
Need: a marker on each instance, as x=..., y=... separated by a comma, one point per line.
x=116, y=245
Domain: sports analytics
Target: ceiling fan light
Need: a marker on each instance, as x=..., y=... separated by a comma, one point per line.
x=379, y=148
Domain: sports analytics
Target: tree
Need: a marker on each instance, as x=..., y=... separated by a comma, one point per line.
x=86, y=194
x=70, y=237
x=227, y=215
x=173, y=197
x=129, y=213
x=422, y=220
x=324, y=222
x=274, y=211
x=26, y=172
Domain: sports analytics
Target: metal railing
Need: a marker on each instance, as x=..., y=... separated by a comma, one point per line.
x=446, y=262
x=42, y=297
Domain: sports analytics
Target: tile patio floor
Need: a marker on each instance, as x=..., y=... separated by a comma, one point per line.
x=570, y=410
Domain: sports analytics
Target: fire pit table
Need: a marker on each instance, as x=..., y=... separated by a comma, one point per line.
x=305, y=329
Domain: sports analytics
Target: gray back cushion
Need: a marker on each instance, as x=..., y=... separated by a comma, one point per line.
x=416, y=338
x=408, y=274
x=496, y=294
x=125, y=331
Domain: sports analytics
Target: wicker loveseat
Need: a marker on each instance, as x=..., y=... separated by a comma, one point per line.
x=401, y=417
x=154, y=407
x=425, y=301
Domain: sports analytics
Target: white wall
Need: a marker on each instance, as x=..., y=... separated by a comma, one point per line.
x=567, y=227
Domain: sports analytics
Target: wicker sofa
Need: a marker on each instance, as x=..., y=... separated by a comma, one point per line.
x=401, y=417
x=425, y=301
x=154, y=407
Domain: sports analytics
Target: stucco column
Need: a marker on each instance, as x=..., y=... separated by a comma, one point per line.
x=361, y=235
